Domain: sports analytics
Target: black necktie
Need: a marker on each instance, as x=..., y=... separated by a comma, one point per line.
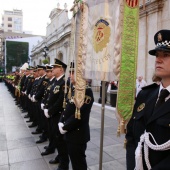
x=163, y=94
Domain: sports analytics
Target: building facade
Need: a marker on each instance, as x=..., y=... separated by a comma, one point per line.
x=154, y=15
x=57, y=39
x=12, y=21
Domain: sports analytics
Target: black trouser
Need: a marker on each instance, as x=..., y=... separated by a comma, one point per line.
x=77, y=155
x=44, y=121
x=62, y=153
x=53, y=130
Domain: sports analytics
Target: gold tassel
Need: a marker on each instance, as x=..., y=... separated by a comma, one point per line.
x=122, y=126
x=69, y=93
x=64, y=103
x=118, y=131
x=76, y=114
x=125, y=142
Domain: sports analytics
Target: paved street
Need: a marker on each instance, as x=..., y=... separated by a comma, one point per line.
x=18, y=150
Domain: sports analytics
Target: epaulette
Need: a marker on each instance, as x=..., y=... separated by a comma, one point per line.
x=44, y=83
x=150, y=86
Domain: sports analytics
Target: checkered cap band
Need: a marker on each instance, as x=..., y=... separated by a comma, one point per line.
x=163, y=43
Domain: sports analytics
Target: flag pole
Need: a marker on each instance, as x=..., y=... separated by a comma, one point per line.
x=102, y=124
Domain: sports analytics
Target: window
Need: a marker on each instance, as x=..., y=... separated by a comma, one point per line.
x=9, y=19
x=9, y=25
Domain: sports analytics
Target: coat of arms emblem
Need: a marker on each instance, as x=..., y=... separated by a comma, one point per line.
x=101, y=34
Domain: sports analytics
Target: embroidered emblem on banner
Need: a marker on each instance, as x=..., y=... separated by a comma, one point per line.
x=101, y=35
x=141, y=107
x=132, y=3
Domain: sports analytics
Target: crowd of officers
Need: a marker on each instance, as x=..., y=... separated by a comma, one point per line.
x=41, y=92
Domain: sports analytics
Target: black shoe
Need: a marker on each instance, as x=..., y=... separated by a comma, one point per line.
x=23, y=111
x=32, y=125
x=45, y=147
x=41, y=141
x=29, y=121
x=36, y=132
x=54, y=161
x=47, y=152
x=26, y=116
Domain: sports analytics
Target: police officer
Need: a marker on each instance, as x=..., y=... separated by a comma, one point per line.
x=53, y=110
x=76, y=131
x=148, y=131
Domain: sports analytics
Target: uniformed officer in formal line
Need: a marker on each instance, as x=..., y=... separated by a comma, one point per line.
x=53, y=110
x=28, y=89
x=23, y=77
x=32, y=106
x=24, y=92
x=51, y=78
x=15, y=84
x=150, y=122
x=37, y=97
x=77, y=131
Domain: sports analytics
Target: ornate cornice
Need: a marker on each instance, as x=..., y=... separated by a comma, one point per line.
x=151, y=7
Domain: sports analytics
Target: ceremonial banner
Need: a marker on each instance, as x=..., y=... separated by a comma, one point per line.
x=98, y=56
x=129, y=53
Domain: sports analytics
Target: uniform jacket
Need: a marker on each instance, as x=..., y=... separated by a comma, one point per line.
x=30, y=83
x=78, y=130
x=34, y=86
x=47, y=90
x=42, y=83
x=22, y=82
x=154, y=120
x=54, y=102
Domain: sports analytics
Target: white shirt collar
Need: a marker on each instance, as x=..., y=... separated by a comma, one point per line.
x=58, y=78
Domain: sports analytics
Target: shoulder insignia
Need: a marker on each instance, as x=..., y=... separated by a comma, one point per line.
x=87, y=99
x=150, y=86
x=44, y=83
x=141, y=107
x=56, y=89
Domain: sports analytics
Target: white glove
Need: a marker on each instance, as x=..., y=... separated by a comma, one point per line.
x=60, y=125
x=42, y=106
x=46, y=113
x=29, y=96
x=34, y=98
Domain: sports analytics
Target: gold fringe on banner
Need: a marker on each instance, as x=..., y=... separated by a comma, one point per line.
x=80, y=86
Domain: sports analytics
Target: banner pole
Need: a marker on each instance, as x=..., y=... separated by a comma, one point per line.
x=102, y=124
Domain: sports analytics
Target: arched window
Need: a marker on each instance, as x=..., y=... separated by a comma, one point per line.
x=60, y=56
x=34, y=64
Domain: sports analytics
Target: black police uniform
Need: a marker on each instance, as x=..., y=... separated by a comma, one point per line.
x=150, y=119
x=154, y=120
x=78, y=130
x=55, y=107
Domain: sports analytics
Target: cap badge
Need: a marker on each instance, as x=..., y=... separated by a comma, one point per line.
x=141, y=107
x=159, y=37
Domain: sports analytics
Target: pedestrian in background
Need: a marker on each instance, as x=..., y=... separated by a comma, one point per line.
x=140, y=82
